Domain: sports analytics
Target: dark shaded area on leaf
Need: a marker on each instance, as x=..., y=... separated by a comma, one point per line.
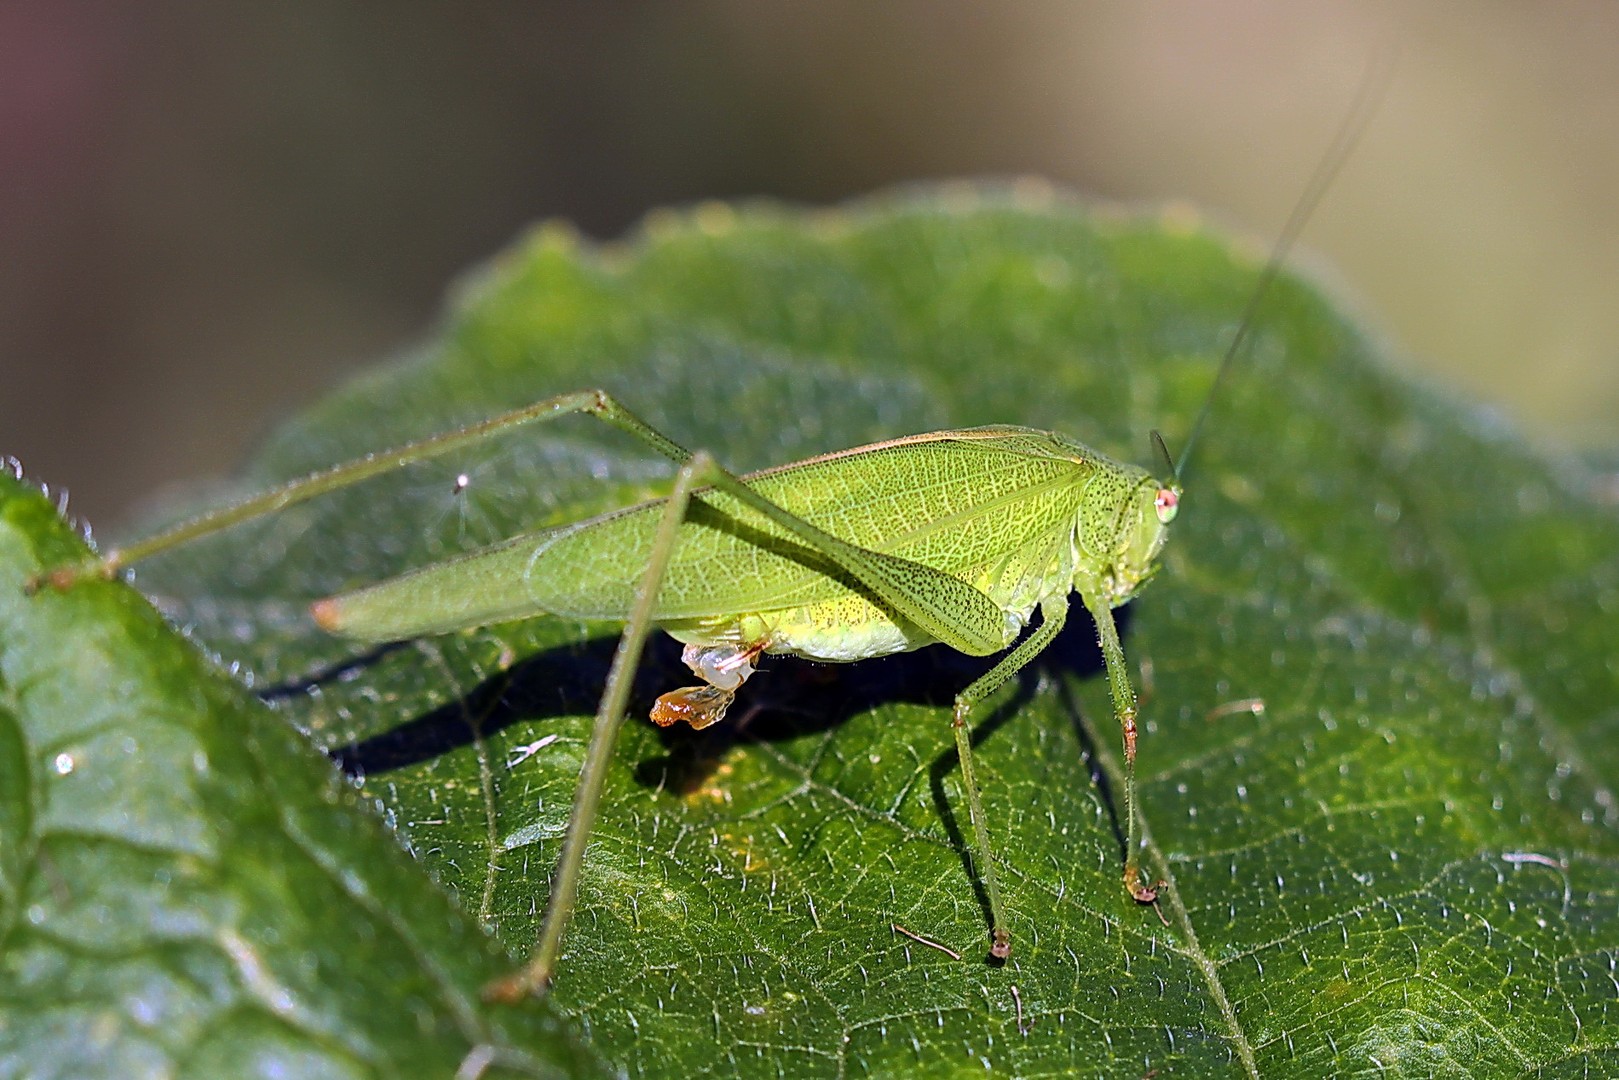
x=348, y=668
x=786, y=699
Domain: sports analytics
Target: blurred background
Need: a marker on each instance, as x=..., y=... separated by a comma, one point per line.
x=211, y=210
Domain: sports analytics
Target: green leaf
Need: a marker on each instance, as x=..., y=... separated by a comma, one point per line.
x=1404, y=862
x=186, y=887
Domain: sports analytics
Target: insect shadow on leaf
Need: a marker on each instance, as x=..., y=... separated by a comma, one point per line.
x=797, y=699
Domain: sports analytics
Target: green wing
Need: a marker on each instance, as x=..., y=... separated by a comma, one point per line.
x=964, y=502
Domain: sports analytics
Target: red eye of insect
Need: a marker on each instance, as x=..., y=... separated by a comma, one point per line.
x=1166, y=504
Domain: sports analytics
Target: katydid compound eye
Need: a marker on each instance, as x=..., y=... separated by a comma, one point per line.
x=1166, y=504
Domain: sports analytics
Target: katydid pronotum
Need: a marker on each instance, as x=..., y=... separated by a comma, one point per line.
x=952, y=537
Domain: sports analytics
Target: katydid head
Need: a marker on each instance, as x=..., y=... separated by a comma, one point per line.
x=1143, y=526
x=1126, y=520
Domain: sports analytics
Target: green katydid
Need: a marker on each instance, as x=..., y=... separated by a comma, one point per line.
x=952, y=537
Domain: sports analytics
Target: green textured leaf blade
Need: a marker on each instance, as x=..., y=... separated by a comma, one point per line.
x=1404, y=863
x=185, y=886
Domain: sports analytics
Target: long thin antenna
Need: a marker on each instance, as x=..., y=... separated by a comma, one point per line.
x=1367, y=99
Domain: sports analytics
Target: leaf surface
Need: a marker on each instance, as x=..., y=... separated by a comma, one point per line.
x=1402, y=863
x=186, y=886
